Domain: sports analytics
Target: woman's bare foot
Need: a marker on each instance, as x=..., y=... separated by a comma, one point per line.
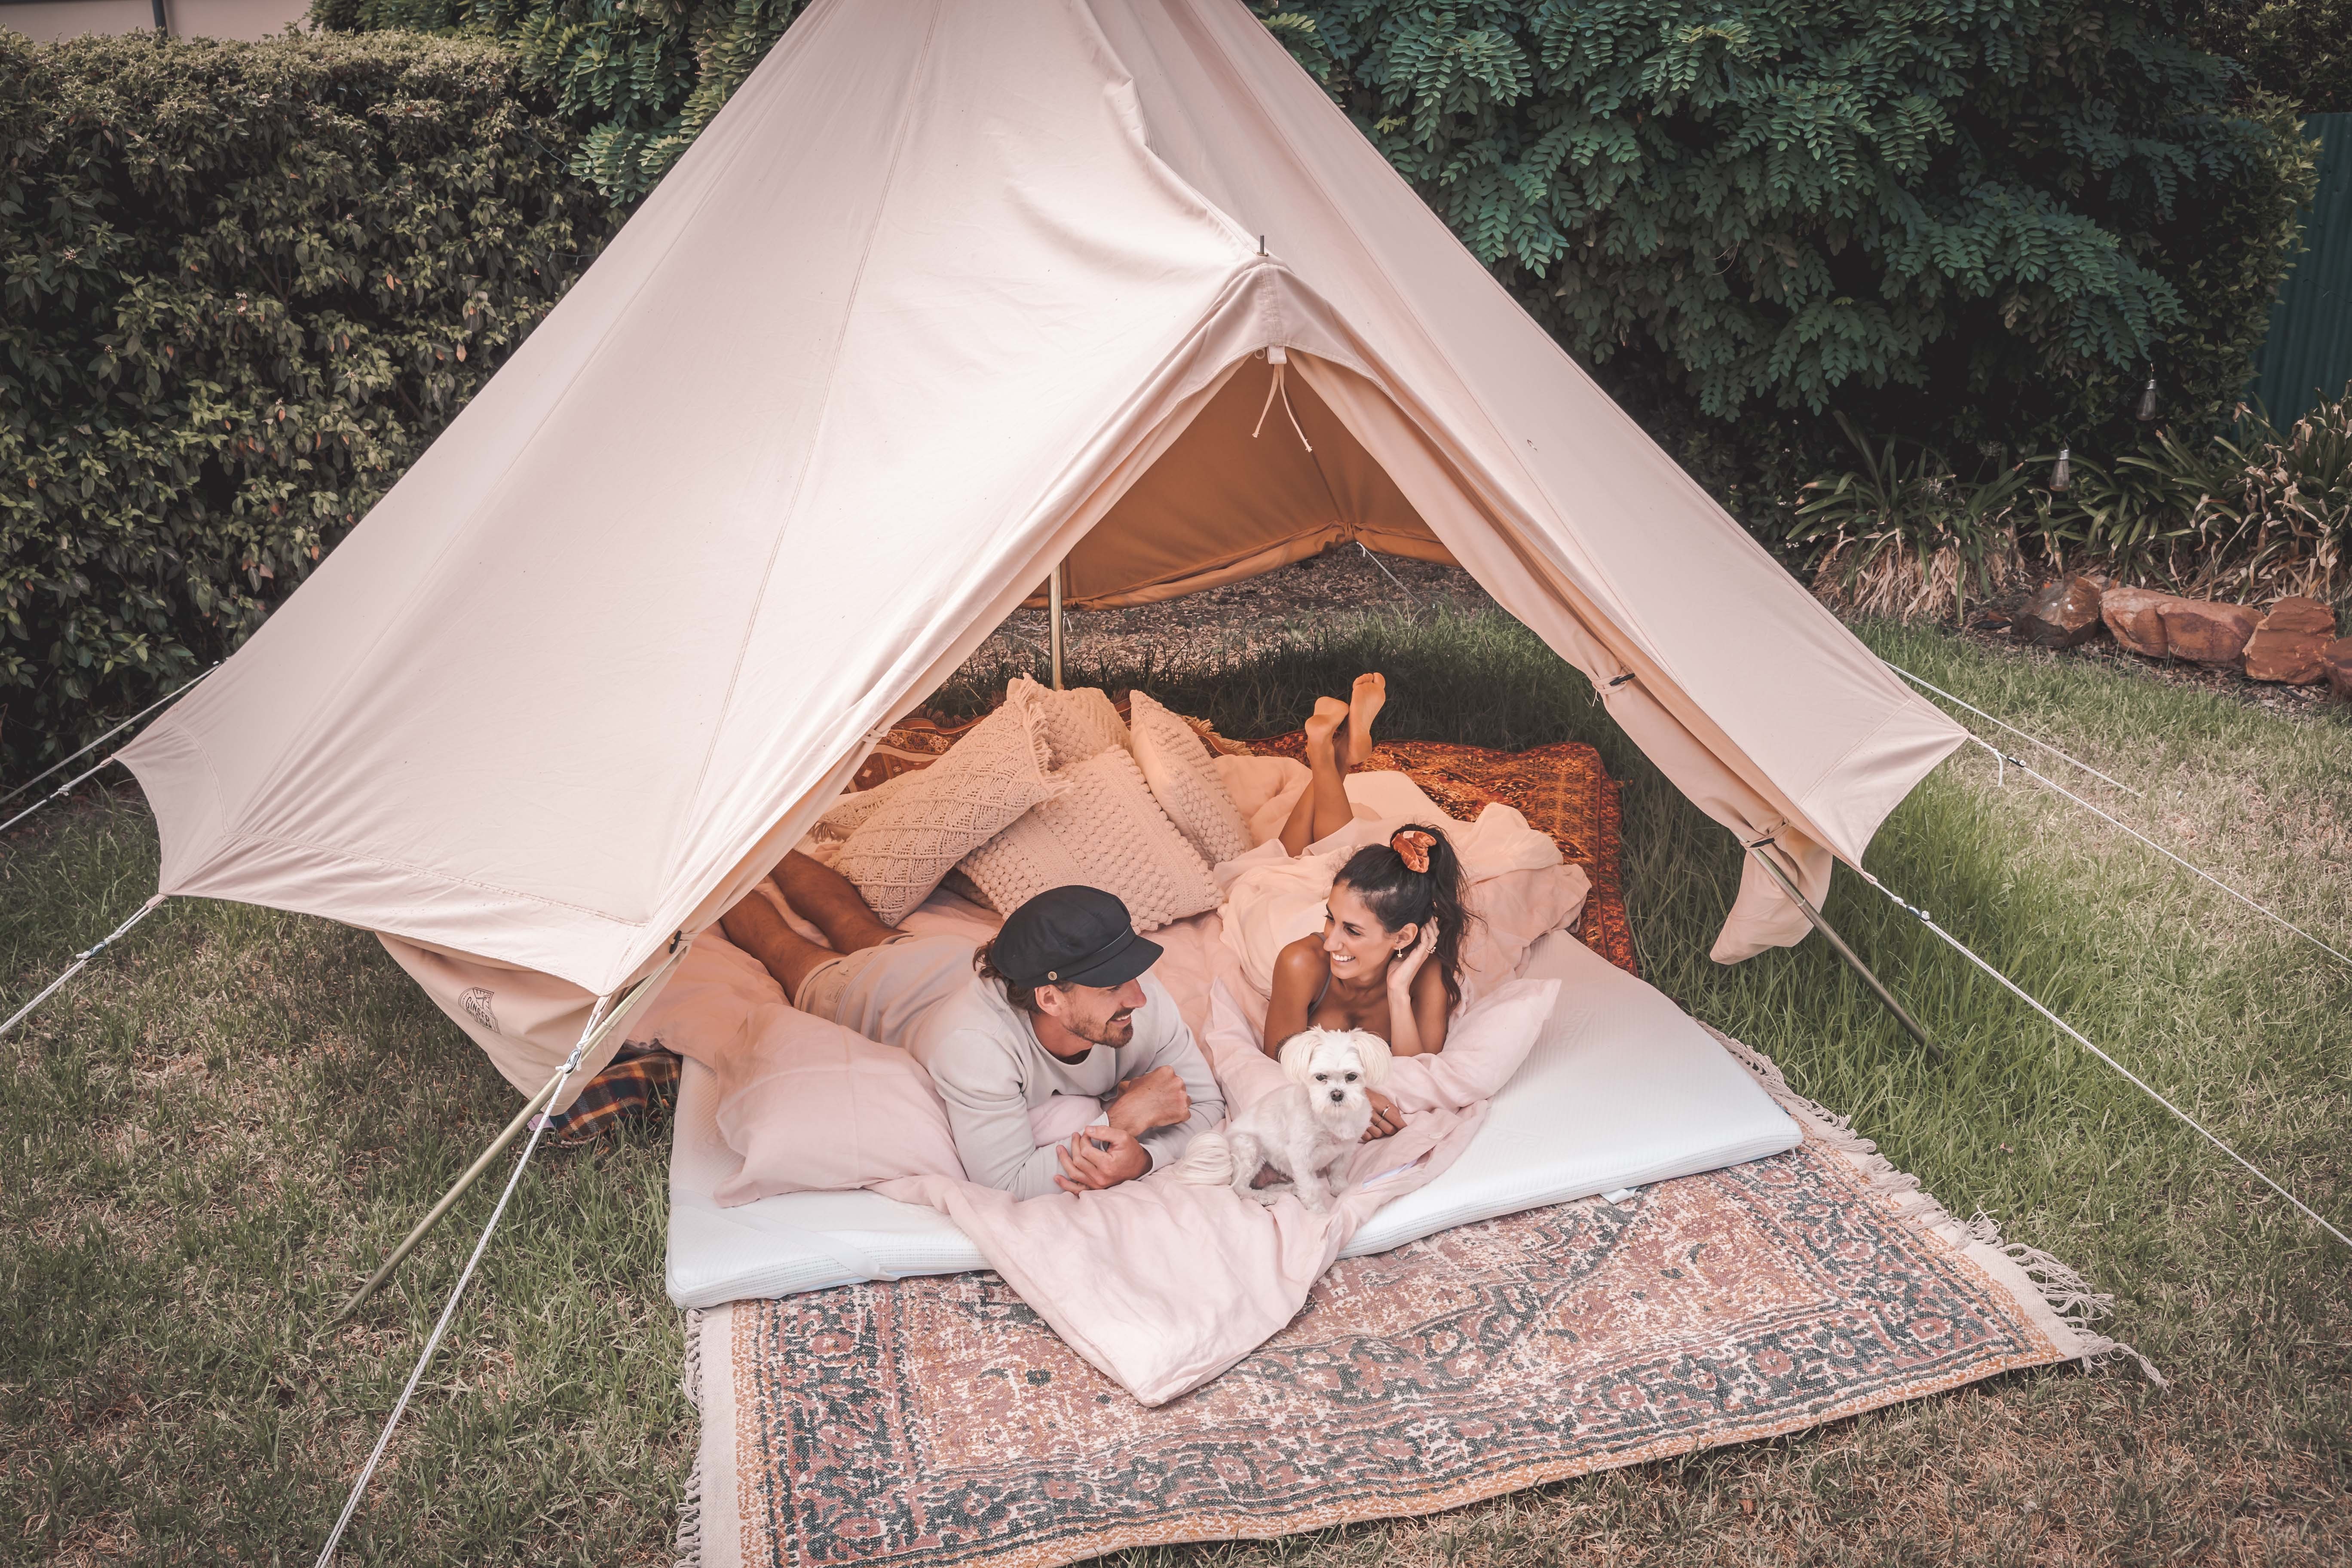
x=1364, y=703
x=1329, y=715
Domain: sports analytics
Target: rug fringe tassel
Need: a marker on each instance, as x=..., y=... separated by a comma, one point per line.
x=689, y=1512
x=2071, y=1300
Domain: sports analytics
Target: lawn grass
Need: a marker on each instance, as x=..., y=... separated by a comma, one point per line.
x=211, y=1135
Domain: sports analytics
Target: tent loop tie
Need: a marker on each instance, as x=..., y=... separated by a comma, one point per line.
x=676, y=937
x=1621, y=680
x=588, y=1038
x=167, y=698
x=1277, y=387
x=58, y=794
x=1957, y=945
x=2013, y=730
x=82, y=959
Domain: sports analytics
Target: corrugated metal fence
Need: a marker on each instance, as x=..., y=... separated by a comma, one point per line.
x=2307, y=356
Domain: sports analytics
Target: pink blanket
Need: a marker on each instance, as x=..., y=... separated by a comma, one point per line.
x=1163, y=1285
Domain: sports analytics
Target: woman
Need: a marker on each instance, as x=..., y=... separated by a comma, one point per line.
x=1389, y=956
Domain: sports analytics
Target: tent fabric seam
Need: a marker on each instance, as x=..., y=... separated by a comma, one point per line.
x=427, y=874
x=832, y=373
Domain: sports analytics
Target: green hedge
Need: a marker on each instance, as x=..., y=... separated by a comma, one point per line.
x=639, y=82
x=245, y=285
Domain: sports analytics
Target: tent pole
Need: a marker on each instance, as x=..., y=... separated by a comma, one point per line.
x=513, y=1129
x=458, y=1190
x=1910, y=1025
x=1053, y=613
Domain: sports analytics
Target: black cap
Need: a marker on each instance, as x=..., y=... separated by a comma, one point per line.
x=1071, y=936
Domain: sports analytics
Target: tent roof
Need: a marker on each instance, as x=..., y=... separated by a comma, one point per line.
x=918, y=310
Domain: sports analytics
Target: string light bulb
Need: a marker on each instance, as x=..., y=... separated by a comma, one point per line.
x=2148, y=399
x=2062, y=473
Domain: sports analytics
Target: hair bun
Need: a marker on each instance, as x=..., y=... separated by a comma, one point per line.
x=1413, y=846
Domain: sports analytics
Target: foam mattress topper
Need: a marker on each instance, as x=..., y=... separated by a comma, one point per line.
x=1622, y=1088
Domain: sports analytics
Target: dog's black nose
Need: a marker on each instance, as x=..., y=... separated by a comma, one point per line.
x=1337, y=1097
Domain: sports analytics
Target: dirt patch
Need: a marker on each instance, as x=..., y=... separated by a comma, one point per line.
x=1179, y=636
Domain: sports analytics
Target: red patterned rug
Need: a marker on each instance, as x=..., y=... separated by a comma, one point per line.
x=937, y=1423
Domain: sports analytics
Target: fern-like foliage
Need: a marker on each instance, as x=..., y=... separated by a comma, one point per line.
x=1978, y=221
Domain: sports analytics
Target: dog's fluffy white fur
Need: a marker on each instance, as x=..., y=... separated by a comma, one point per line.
x=1304, y=1130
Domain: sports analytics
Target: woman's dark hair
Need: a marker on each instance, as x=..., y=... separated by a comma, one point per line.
x=1401, y=896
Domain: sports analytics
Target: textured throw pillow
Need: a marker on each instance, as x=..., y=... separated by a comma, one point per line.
x=897, y=855
x=1184, y=780
x=814, y=1108
x=1103, y=830
x=1078, y=724
x=849, y=813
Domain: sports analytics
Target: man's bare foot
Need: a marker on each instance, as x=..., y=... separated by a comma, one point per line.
x=1363, y=705
x=1329, y=713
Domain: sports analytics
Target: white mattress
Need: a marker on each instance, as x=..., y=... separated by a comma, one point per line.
x=1623, y=1088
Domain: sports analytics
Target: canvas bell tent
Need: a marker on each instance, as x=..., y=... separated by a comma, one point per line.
x=953, y=292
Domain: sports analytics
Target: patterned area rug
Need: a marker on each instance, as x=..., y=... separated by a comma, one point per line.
x=937, y=1423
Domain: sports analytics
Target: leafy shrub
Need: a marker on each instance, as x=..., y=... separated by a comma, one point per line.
x=2251, y=515
x=1975, y=222
x=244, y=285
x=2299, y=49
x=1969, y=223
x=638, y=82
x=1908, y=540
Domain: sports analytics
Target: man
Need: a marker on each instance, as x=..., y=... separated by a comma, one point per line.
x=1059, y=1003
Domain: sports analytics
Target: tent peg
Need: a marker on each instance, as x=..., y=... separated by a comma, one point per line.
x=1829, y=934
x=1053, y=613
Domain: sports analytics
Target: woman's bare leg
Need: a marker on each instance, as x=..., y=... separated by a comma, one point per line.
x=1323, y=810
x=826, y=897
x=1364, y=700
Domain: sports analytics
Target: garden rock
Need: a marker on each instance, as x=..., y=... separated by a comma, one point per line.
x=2131, y=615
x=2289, y=644
x=2206, y=632
x=2061, y=613
x=2337, y=661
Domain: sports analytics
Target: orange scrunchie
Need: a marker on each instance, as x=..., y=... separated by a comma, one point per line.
x=1413, y=846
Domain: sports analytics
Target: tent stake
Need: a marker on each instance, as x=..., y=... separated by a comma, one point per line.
x=433, y=1215
x=1054, y=612
x=1910, y=1025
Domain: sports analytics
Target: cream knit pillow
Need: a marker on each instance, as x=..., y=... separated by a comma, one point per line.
x=1078, y=724
x=1183, y=779
x=897, y=855
x=1103, y=830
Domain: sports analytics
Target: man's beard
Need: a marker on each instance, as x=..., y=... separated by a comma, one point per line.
x=1114, y=1031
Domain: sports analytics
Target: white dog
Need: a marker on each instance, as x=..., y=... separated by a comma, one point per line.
x=1303, y=1129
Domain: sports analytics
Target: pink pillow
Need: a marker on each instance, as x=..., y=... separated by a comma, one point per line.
x=813, y=1108
x=1484, y=1048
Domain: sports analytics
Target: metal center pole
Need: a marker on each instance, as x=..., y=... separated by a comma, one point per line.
x=1053, y=613
x=1911, y=1026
